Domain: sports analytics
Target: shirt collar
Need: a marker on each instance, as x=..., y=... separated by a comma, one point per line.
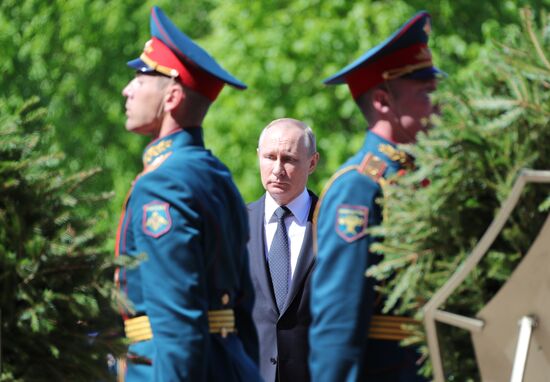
x=299, y=207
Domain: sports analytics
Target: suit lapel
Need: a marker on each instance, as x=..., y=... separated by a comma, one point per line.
x=257, y=251
x=305, y=259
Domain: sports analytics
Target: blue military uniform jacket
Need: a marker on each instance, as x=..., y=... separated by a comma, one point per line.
x=343, y=300
x=186, y=215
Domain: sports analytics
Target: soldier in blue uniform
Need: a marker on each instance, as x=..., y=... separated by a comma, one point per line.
x=350, y=339
x=191, y=297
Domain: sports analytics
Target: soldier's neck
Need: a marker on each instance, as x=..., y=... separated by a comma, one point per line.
x=170, y=125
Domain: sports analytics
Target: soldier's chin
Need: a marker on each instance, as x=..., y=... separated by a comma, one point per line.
x=139, y=129
x=131, y=127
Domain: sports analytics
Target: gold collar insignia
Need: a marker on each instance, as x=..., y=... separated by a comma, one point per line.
x=154, y=151
x=397, y=155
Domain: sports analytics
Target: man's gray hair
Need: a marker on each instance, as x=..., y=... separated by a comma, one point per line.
x=309, y=136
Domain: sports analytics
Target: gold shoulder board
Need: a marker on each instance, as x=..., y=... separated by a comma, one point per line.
x=373, y=167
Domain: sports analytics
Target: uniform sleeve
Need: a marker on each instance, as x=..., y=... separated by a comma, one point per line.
x=243, y=313
x=167, y=227
x=342, y=297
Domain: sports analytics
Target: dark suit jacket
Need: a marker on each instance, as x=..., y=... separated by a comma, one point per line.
x=284, y=345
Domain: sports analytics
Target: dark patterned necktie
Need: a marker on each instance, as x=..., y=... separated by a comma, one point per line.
x=279, y=258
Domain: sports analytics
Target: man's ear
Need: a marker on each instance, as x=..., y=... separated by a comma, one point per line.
x=313, y=162
x=174, y=97
x=380, y=101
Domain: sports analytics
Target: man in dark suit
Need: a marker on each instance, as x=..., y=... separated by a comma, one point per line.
x=281, y=251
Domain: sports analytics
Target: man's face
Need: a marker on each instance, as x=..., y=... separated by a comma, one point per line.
x=284, y=162
x=144, y=104
x=412, y=106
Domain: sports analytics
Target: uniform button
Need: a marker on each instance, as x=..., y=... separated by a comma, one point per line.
x=225, y=299
x=273, y=361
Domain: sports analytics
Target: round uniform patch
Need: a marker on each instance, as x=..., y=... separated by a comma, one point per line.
x=156, y=218
x=351, y=222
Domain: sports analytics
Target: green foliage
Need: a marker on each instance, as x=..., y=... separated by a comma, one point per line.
x=55, y=281
x=284, y=59
x=72, y=54
x=497, y=125
x=283, y=50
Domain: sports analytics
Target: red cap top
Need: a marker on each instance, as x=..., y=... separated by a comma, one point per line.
x=394, y=65
x=161, y=59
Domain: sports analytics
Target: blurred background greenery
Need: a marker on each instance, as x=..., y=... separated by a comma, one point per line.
x=71, y=55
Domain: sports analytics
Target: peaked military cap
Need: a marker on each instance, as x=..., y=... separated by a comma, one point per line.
x=172, y=53
x=404, y=54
